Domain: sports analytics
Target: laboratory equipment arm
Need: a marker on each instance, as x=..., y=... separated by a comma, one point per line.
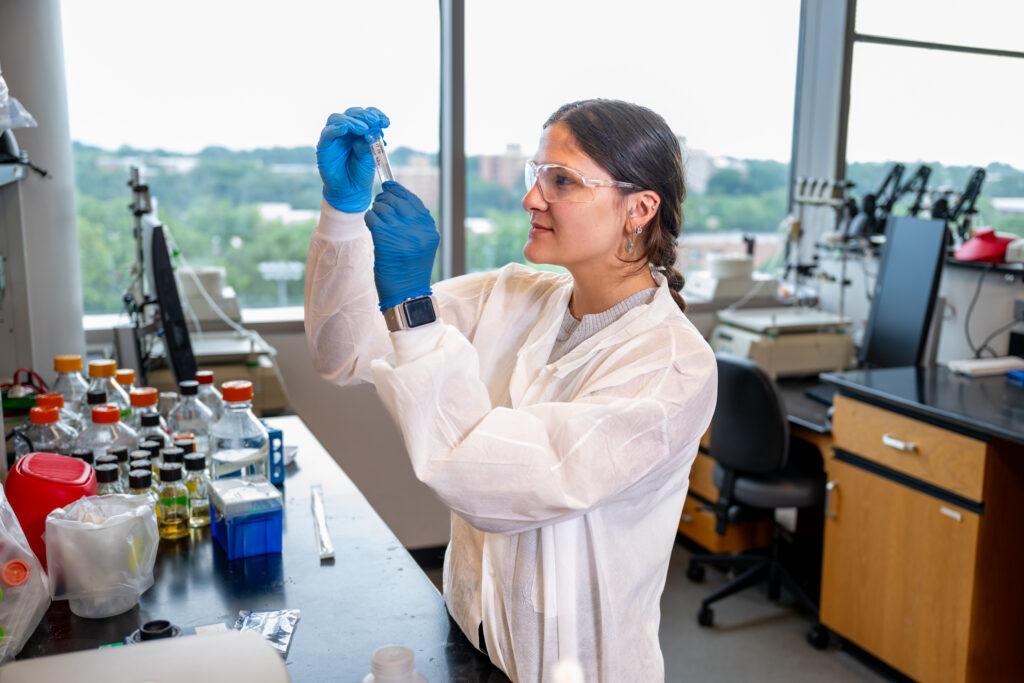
x=507, y=470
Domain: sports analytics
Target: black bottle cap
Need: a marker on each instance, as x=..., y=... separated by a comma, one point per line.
x=194, y=462
x=174, y=455
x=152, y=446
x=96, y=398
x=142, y=464
x=140, y=478
x=189, y=387
x=106, y=460
x=121, y=453
x=187, y=445
x=170, y=472
x=150, y=421
x=140, y=454
x=107, y=472
x=153, y=630
x=82, y=454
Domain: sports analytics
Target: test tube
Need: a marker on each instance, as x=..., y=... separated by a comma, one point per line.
x=380, y=158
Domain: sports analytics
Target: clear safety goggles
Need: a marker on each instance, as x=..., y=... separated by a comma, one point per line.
x=563, y=184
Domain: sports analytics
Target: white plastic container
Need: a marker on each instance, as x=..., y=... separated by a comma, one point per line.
x=393, y=664
x=190, y=416
x=106, y=431
x=239, y=442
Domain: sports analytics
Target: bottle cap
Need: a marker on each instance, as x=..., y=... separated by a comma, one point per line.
x=50, y=401
x=15, y=572
x=102, y=368
x=43, y=416
x=150, y=421
x=82, y=454
x=143, y=396
x=96, y=398
x=204, y=376
x=194, y=462
x=119, y=452
x=393, y=661
x=189, y=387
x=152, y=446
x=141, y=464
x=237, y=390
x=139, y=454
x=187, y=445
x=140, y=478
x=125, y=376
x=107, y=472
x=174, y=455
x=170, y=471
x=105, y=415
x=70, y=362
x=105, y=460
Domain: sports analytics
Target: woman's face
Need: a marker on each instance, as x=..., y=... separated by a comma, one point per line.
x=574, y=235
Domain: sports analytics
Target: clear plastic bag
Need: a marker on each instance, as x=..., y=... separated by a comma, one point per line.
x=12, y=113
x=26, y=591
x=276, y=626
x=100, y=551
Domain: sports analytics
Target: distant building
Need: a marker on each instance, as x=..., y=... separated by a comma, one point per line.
x=421, y=177
x=506, y=169
x=699, y=166
x=1008, y=206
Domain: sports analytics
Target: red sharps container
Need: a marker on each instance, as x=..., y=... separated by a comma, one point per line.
x=42, y=482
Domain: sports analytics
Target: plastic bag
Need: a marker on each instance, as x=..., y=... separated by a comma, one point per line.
x=12, y=114
x=26, y=591
x=276, y=626
x=100, y=551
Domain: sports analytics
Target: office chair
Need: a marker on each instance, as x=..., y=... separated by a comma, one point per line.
x=756, y=470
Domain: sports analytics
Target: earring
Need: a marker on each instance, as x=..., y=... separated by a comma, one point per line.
x=629, y=242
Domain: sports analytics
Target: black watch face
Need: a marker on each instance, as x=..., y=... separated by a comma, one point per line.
x=419, y=311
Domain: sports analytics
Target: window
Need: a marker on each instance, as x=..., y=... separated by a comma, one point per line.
x=726, y=87
x=221, y=105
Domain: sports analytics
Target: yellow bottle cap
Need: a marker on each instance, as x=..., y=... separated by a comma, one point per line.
x=67, y=363
x=125, y=376
x=102, y=368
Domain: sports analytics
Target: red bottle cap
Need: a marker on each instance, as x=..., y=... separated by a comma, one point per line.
x=105, y=414
x=50, y=401
x=15, y=572
x=204, y=376
x=143, y=396
x=43, y=416
x=237, y=390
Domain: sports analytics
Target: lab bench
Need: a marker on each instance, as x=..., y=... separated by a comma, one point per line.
x=372, y=594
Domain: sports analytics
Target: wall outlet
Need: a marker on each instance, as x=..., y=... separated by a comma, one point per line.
x=1018, y=309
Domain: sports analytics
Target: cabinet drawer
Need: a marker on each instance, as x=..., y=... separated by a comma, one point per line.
x=931, y=454
x=699, y=526
x=700, y=477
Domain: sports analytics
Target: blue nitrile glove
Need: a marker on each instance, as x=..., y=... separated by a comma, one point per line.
x=344, y=159
x=404, y=243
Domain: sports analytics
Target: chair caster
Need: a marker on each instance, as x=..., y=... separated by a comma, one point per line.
x=819, y=637
x=695, y=572
x=706, y=616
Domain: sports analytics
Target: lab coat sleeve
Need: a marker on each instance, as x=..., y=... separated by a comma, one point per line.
x=510, y=470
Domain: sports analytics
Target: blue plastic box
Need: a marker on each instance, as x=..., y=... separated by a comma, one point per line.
x=246, y=516
x=276, y=453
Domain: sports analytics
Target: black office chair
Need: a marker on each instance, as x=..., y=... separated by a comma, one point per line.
x=756, y=471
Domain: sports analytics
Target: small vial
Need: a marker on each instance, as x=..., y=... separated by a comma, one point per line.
x=140, y=483
x=105, y=460
x=187, y=445
x=172, y=504
x=121, y=453
x=380, y=158
x=198, y=491
x=107, y=479
x=84, y=454
x=173, y=455
x=142, y=464
x=153, y=447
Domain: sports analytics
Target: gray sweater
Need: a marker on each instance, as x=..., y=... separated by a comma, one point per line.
x=573, y=332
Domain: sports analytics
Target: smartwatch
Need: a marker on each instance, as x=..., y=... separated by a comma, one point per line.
x=411, y=313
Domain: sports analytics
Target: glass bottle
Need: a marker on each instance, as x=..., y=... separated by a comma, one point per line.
x=144, y=402
x=239, y=441
x=126, y=378
x=68, y=418
x=166, y=403
x=101, y=378
x=140, y=483
x=92, y=399
x=107, y=481
x=172, y=455
x=106, y=431
x=172, y=504
x=45, y=434
x=137, y=454
x=121, y=454
x=198, y=491
x=69, y=383
x=208, y=393
x=191, y=416
x=153, y=447
x=83, y=454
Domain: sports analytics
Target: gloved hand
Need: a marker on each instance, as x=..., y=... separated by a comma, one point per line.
x=344, y=159
x=405, y=241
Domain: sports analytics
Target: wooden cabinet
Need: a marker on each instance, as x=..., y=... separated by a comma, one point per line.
x=922, y=550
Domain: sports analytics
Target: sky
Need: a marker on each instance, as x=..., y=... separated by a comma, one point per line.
x=187, y=74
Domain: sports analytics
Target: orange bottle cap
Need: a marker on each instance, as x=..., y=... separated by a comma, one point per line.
x=102, y=368
x=125, y=376
x=15, y=572
x=237, y=390
x=50, y=401
x=43, y=416
x=143, y=396
x=106, y=414
x=67, y=363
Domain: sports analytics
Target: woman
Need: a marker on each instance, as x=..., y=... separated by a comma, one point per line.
x=557, y=415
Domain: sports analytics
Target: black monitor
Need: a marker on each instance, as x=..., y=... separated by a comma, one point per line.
x=176, y=340
x=904, y=299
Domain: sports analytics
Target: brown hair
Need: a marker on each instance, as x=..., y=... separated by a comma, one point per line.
x=636, y=146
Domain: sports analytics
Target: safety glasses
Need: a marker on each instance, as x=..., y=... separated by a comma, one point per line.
x=563, y=184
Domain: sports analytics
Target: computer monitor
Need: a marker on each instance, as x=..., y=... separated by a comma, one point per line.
x=904, y=299
x=177, y=343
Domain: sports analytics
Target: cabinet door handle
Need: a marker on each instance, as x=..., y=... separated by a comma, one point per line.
x=893, y=442
x=949, y=512
x=829, y=488
x=686, y=518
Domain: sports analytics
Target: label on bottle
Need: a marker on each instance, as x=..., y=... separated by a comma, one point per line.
x=176, y=500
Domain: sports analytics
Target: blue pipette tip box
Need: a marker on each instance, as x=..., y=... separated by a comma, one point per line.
x=246, y=516
x=276, y=453
x=1016, y=377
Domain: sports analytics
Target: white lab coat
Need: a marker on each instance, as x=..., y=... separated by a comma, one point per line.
x=566, y=480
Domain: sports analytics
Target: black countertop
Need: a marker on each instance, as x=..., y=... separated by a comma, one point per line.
x=372, y=594
x=988, y=406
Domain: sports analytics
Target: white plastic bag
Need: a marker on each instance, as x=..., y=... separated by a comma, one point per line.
x=100, y=551
x=12, y=113
x=25, y=593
